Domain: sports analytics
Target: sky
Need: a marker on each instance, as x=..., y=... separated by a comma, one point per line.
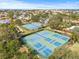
x=39, y=4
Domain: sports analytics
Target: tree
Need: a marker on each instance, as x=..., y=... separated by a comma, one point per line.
x=56, y=21
x=59, y=53
x=35, y=18
x=39, y=17
x=10, y=14
x=71, y=55
x=4, y=32
x=22, y=56
x=74, y=16
x=18, y=22
x=75, y=37
x=9, y=48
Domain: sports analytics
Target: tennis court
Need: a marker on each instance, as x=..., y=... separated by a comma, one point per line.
x=44, y=42
x=32, y=26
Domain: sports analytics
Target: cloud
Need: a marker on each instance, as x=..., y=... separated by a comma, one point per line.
x=13, y=4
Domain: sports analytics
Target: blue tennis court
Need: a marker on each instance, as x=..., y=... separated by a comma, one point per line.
x=46, y=52
x=32, y=26
x=58, y=36
x=57, y=44
x=36, y=24
x=44, y=42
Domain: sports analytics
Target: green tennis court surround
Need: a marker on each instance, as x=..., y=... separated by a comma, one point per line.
x=44, y=42
x=32, y=26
